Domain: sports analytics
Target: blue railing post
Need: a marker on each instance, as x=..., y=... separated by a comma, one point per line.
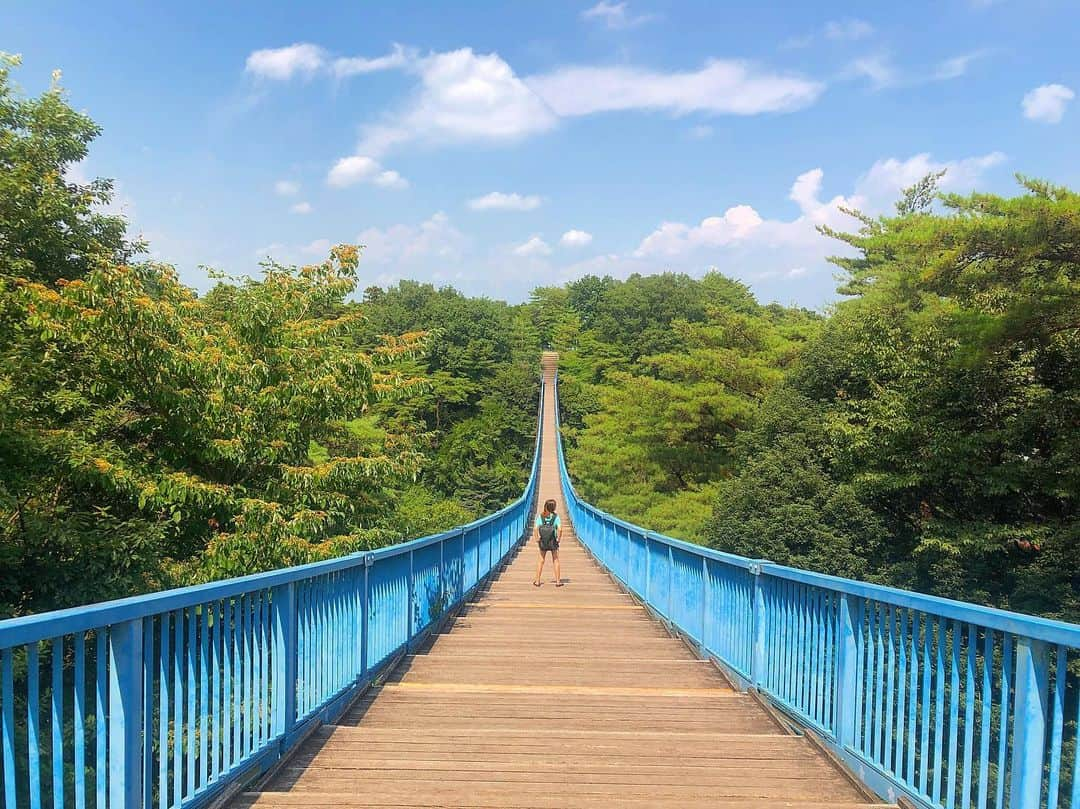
x=706, y=611
x=648, y=564
x=442, y=573
x=670, y=581
x=365, y=633
x=847, y=662
x=757, y=658
x=283, y=604
x=412, y=601
x=1030, y=702
x=125, y=715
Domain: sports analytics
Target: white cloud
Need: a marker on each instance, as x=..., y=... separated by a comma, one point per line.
x=281, y=64
x=390, y=179
x=846, y=30
x=883, y=73
x=286, y=188
x=462, y=96
x=673, y=238
x=319, y=247
x=956, y=66
x=701, y=131
x=303, y=58
x=351, y=170
x=435, y=238
x=878, y=69
x=534, y=247
x=465, y=96
x=849, y=29
x=575, y=238
x=1047, y=103
x=720, y=87
x=346, y=66
x=498, y=201
x=301, y=208
x=360, y=169
x=615, y=15
x=884, y=181
x=805, y=190
x=755, y=248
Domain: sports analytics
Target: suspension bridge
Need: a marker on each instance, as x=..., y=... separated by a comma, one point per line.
x=433, y=673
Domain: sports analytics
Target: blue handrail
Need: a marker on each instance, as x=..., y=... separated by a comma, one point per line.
x=168, y=699
x=948, y=704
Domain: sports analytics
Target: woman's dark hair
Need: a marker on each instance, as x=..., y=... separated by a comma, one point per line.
x=549, y=506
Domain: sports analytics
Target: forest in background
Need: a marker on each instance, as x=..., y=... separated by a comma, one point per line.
x=925, y=432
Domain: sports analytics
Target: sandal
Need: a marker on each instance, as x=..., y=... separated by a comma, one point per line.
x=558, y=584
x=538, y=584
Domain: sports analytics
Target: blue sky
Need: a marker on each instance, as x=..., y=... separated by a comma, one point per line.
x=501, y=146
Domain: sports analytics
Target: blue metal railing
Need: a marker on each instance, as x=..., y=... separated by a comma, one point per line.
x=165, y=700
x=948, y=704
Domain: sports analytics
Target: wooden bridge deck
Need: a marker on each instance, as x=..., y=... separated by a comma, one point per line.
x=555, y=697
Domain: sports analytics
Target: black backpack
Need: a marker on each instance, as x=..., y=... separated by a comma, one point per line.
x=547, y=530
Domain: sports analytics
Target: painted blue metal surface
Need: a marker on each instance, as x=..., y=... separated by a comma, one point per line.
x=193, y=689
x=945, y=703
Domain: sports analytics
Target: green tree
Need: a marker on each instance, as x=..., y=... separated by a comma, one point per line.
x=947, y=394
x=193, y=418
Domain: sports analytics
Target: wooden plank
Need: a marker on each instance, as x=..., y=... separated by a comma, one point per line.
x=497, y=799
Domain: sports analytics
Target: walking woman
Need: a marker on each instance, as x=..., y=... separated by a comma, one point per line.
x=548, y=534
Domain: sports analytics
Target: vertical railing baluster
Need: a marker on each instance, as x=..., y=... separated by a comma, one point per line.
x=204, y=696
x=954, y=715
x=412, y=589
x=846, y=673
x=148, y=667
x=706, y=598
x=79, y=717
x=969, y=718
x=7, y=725
x=164, y=698
x=227, y=677
x=178, y=706
x=1074, y=798
x=101, y=703
x=1031, y=699
x=283, y=606
x=939, y=707
x=56, y=721
x=913, y=694
x=1003, y=722
x=192, y=690
x=365, y=620
x=983, y=792
x=33, y=726
x=216, y=666
x=1057, y=726
x=125, y=715
x=901, y=692
x=758, y=667
x=648, y=565
x=924, y=725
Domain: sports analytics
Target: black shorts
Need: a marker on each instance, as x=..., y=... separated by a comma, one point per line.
x=551, y=545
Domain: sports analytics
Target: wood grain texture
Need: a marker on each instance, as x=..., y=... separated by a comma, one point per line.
x=555, y=697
